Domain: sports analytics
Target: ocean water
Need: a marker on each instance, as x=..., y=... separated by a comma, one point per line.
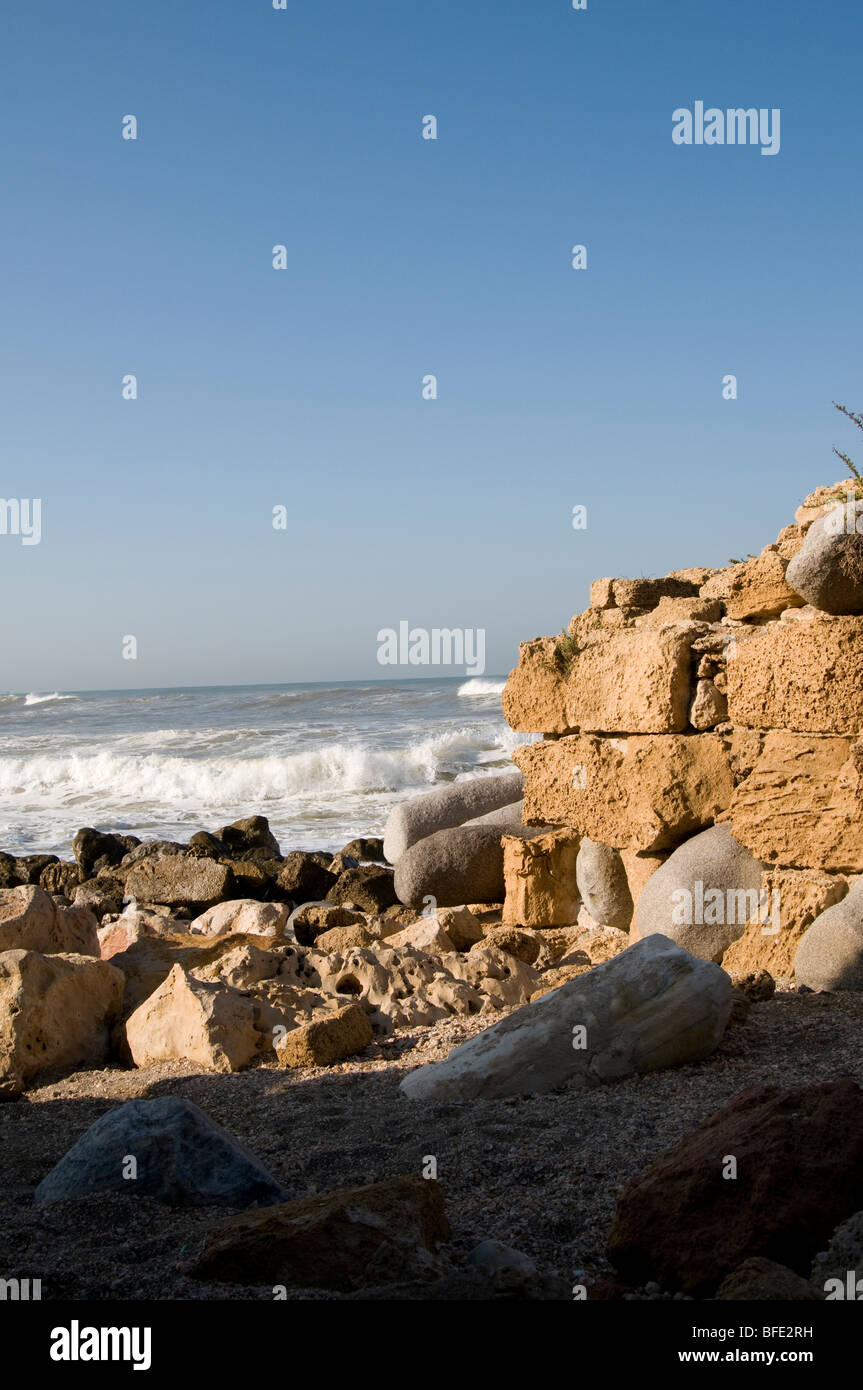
x=323, y=762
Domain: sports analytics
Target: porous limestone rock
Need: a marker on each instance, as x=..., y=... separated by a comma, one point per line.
x=795, y=898
x=755, y=588
x=619, y=682
x=652, y=1006
x=55, y=1010
x=703, y=895
x=643, y=793
x=805, y=677
x=189, y=1019
x=540, y=879
x=801, y=804
x=326, y=1039
x=30, y=920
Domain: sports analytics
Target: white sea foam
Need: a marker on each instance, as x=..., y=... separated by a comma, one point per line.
x=34, y=699
x=481, y=687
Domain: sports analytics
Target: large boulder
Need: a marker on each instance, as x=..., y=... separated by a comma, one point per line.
x=55, y=1010
x=30, y=920
x=827, y=570
x=181, y=1157
x=601, y=878
x=770, y=1174
x=384, y=1233
x=460, y=865
x=94, y=850
x=304, y=876
x=703, y=895
x=652, y=1006
x=179, y=880
x=193, y=1020
x=447, y=807
x=830, y=954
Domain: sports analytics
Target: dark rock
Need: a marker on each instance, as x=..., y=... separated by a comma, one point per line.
x=340, y=863
x=180, y=881
x=350, y=1238
x=100, y=895
x=367, y=849
x=202, y=842
x=95, y=850
x=303, y=876
x=151, y=849
x=799, y=1157
x=60, y=878
x=764, y=1279
x=8, y=871
x=252, y=833
x=183, y=1159
x=370, y=888
x=32, y=866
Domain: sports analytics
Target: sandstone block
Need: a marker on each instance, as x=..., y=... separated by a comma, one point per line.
x=805, y=677
x=188, y=1019
x=755, y=588
x=540, y=880
x=178, y=880
x=30, y=920
x=801, y=804
x=643, y=793
x=795, y=897
x=55, y=1010
x=327, y=1039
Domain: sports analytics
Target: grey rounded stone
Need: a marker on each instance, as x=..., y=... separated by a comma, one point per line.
x=603, y=885
x=182, y=1157
x=447, y=807
x=830, y=954
x=827, y=570
x=703, y=895
x=493, y=1255
x=461, y=865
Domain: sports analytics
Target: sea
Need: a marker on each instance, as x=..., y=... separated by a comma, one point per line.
x=324, y=762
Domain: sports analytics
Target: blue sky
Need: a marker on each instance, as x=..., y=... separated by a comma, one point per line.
x=405, y=257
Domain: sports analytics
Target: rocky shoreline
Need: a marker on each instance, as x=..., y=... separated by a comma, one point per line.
x=589, y=1029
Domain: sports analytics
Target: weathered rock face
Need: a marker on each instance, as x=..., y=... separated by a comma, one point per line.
x=795, y=897
x=55, y=1010
x=830, y=954
x=540, y=880
x=652, y=1006
x=242, y=915
x=704, y=894
x=251, y=833
x=385, y=1233
x=620, y=682
x=304, y=877
x=445, y=808
x=799, y=1165
x=189, y=1019
x=326, y=1039
x=827, y=571
x=801, y=805
x=30, y=920
x=178, y=881
x=642, y=793
x=803, y=676
x=182, y=1157
x=755, y=588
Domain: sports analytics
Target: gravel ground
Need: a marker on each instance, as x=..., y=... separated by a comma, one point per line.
x=540, y=1174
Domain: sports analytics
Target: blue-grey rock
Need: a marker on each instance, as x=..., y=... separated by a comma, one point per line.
x=827, y=570
x=447, y=807
x=181, y=1157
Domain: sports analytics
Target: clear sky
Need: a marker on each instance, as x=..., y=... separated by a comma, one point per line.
x=303, y=387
